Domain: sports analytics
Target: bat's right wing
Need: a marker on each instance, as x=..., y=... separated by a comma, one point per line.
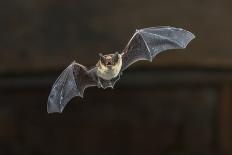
x=146, y=43
x=72, y=82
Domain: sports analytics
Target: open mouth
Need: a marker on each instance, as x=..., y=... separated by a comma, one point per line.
x=109, y=64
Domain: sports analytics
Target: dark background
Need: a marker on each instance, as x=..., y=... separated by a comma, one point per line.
x=180, y=104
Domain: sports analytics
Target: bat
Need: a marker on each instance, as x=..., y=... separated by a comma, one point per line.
x=145, y=44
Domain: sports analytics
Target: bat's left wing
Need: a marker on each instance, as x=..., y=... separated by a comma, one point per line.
x=146, y=43
x=72, y=82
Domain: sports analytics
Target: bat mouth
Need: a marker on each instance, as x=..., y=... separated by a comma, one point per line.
x=109, y=64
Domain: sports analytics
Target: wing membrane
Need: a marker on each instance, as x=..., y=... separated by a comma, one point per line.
x=147, y=43
x=72, y=82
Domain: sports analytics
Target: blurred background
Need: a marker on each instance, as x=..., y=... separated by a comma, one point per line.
x=180, y=104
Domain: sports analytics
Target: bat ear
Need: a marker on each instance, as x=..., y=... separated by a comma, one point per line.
x=100, y=54
x=115, y=57
x=101, y=57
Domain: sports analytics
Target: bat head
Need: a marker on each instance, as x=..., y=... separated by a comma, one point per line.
x=109, y=66
x=109, y=60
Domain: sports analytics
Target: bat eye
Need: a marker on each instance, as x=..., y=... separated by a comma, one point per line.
x=103, y=62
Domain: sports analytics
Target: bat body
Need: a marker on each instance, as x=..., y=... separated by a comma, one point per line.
x=108, y=73
x=145, y=44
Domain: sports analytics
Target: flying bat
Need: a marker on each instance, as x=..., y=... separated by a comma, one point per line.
x=145, y=44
